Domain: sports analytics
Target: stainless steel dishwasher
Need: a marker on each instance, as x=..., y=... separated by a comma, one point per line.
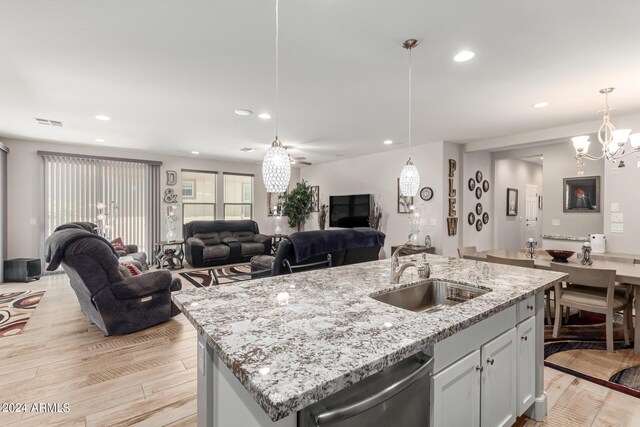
x=395, y=396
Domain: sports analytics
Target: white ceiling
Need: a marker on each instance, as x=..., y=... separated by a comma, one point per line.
x=170, y=74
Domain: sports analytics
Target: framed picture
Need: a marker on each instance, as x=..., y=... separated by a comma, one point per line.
x=479, y=225
x=478, y=209
x=485, y=218
x=404, y=202
x=274, y=202
x=471, y=218
x=581, y=194
x=471, y=184
x=478, y=193
x=512, y=202
x=315, y=198
x=479, y=176
x=485, y=185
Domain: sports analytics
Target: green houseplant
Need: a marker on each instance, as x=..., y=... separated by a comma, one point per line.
x=297, y=205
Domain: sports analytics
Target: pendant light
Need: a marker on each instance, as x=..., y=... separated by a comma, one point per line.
x=409, y=177
x=276, y=166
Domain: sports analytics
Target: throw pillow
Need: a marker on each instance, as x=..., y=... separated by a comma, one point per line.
x=124, y=270
x=135, y=271
x=119, y=245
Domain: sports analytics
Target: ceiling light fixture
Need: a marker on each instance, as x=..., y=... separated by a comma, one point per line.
x=611, y=139
x=276, y=166
x=99, y=140
x=103, y=117
x=409, y=177
x=387, y=142
x=264, y=116
x=540, y=104
x=243, y=112
x=195, y=152
x=463, y=56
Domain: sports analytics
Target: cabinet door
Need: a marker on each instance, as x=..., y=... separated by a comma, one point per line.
x=455, y=393
x=498, y=388
x=526, y=378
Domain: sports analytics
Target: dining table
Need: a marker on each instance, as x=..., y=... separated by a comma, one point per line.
x=625, y=265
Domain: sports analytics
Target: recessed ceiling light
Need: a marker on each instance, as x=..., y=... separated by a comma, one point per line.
x=264, y=116
x=247, y=149
x=195, y=152
x=387, y=142
x=541, y=157
x=103, y=117
x=541, y=104
x=243, y=112
x=465, y=55
x=99, y=140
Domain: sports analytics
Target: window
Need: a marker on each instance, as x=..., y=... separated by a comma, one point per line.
x=238, y=196
x=198, y=195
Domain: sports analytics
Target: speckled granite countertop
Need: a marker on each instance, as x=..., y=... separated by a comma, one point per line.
x=293, y=340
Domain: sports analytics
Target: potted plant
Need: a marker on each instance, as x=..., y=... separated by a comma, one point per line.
x=297, y=205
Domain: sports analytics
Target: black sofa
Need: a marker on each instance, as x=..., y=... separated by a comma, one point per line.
x=116, y=304
x=322, y=248
x=209, y=243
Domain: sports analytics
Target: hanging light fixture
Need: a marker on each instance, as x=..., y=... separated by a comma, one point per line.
x=612, y=141
x=276, y=166
x=409, y=177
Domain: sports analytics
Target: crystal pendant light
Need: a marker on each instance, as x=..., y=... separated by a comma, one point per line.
x=409, y=177
x=276, y=166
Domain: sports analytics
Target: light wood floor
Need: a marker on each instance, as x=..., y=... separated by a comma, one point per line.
x=148, y=378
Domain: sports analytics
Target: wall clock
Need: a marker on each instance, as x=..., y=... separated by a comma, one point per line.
x=426, y=194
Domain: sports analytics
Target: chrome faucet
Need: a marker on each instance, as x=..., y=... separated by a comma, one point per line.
x=424, y=270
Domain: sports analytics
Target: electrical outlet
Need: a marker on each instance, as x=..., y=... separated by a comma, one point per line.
x=617, y=217
x=32, y=221
x=617, y=228
x=615, y=207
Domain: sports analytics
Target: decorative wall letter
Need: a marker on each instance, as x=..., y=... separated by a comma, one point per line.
x=172, y=177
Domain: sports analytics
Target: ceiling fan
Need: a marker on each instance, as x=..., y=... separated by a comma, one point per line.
x=296, y=160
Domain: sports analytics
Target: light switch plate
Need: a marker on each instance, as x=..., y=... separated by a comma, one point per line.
x=555, y=222
x=617, y=217
x=32, y=221
x=617, y=228
x=615, y=207
x=433, y=221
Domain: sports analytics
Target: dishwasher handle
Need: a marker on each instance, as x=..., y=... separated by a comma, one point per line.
x=363, y=405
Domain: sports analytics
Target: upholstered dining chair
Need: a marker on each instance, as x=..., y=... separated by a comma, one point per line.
x=593, y=290
x=466, y=250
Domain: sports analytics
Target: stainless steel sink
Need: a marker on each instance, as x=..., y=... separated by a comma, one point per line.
x=430, y=295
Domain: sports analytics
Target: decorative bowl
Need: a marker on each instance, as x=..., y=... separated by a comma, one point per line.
x=560, y=255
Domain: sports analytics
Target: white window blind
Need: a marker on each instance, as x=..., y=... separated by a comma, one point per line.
x=74, y=185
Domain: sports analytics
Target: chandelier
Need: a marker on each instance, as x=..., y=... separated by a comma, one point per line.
x=409, y=177
x=613, y=140
x=276, y=166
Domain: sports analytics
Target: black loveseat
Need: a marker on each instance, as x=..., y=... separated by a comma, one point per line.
x=116, y=304
x=210, y=243
x=308, y=250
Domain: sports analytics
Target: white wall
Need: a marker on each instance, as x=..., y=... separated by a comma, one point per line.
x=509, y=173
x=26, y=186
x=622, y=188
x=472, y=162
x=377, y=174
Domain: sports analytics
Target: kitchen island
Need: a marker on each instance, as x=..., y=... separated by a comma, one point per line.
x=268, y=348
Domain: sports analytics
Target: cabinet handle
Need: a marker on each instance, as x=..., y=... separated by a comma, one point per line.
x=490, y=361
x=529, y=307
x=479, y=368
x=524, y=338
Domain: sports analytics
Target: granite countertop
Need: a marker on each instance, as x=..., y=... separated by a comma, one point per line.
x=292, y=340
x=570, y=238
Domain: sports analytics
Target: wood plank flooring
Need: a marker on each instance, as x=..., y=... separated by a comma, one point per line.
x=149, y=378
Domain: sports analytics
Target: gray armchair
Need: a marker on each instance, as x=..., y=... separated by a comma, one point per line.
x=140, y=257
x=116, y=304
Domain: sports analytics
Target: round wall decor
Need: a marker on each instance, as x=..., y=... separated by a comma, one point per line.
x=479, y=177
x=471, y=218
x=479, y=225
x=478, y=193
x=478, y=208
x=485, y=185
x=472, y=184
x=426, y=194
x=485, y=218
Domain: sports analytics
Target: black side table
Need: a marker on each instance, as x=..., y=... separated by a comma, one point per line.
x=275, y=241
x=22, y=269
x=170, y=255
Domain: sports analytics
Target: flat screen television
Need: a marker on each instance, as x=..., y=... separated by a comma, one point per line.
x=349, y=211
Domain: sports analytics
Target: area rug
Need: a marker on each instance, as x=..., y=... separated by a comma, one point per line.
x=215, y=276
x=15, y=310
x=581, y=350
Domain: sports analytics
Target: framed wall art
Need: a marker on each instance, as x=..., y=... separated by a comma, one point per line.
x=512, y=202
x=581, y=194
x=315, y=198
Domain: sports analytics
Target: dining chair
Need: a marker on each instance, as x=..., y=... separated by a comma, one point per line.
x=593, y=290
x=466, y=250
x=517, y=262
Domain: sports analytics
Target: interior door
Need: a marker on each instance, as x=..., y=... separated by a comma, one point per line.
x=531, y=213
x=455, y=393
x=498, y=389
x=526, y=332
